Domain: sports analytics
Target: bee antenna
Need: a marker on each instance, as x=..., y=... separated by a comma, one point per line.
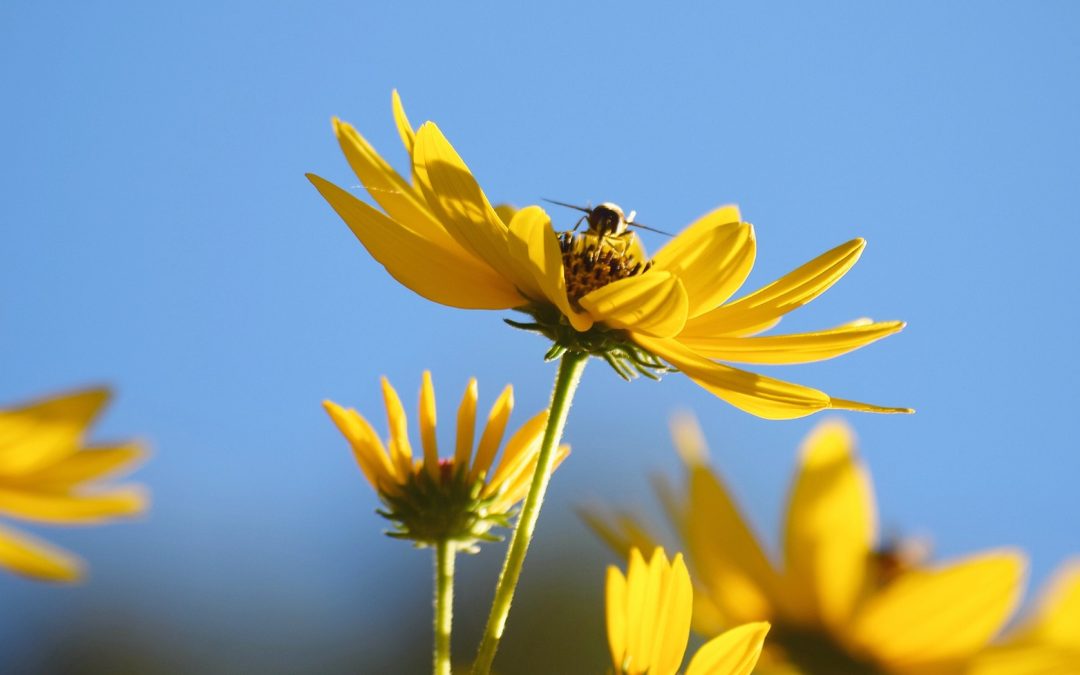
x=650, y=229
x=569, y=206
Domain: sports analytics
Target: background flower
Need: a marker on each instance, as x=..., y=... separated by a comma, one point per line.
x=840, y=600
x=49, y=474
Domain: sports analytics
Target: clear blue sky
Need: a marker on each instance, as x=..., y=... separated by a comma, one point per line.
x=159, y=235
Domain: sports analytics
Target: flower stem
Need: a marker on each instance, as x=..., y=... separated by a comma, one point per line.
x=444, y=604
x=571, y=366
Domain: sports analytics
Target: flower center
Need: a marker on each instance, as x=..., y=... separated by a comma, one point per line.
x=591, y=262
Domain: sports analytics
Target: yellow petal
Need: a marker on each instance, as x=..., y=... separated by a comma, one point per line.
x=830, y=530
x=844, y=404
x=401, y=201
x=366, y=446
x=712, y=257
x=940, y=615
x=653, y=303
x=796, y=348
x=535, y=248
x=516, y=488
x=34, y=558
x=756, y=394
x=1056, y=620
x=427, y=426
x=405, y=129
x=80, y=508
x=1026, y=659
x=620, y=531
x=673, y=618
x=493, y=433
x=438, y=274
x=520, y=450
x=637, y=585
x=40, y=434
x=87, y=465
x=466, y=425
x=454, y=195
x=400, y=448
x=763, y=308
x=734, y=652
x=729, y=560
x=505, y=212
x=616, y=610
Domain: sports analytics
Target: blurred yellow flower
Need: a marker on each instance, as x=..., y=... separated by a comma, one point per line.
x=457, y=498
x=648, y=622
x=48, y=475
x=442, y=238
x=1048, y=641
x=837, y=603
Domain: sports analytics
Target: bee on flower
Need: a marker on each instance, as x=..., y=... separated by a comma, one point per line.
x=838, y=603
x=597, y=292
x=49, y=474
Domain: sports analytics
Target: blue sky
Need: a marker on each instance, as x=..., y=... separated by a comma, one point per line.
x=159, y=236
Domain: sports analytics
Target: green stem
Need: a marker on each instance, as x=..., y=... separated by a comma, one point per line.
x=444, y=604
x=566, y=381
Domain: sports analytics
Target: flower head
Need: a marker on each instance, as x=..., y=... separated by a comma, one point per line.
x=49, y=475
x=834, y=606
x=648, y=622
x=597, y=291
x=459, y=497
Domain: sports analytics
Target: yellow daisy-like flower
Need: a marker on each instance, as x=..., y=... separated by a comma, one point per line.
x=457, y=498
x=439, y=235
x=1048, y=641
x=49, y=475
x=648, y=623
x=837, y=603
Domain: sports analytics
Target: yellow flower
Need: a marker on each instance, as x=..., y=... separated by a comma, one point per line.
x=48, y=475
x=648, y=620
x=837, y=604
x=1048, y=641
x=456, y=498
x=439, y=235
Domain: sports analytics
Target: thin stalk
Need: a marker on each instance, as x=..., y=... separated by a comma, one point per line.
x=571, y=366
x=444, y=604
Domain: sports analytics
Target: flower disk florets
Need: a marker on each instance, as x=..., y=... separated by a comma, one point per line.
x=591, y=262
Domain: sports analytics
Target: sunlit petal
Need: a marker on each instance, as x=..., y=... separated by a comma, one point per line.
x=759, y=395
x=654, y=303
x=40, y=434
x=535, y=248
x=436, y=273
x=734, y=652
x=712, y=257
x=830, y=528
x=940, y=615
x=454, y=195
x=795, y=348
x=763, y=308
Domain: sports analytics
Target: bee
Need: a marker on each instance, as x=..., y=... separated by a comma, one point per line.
x=607, y=221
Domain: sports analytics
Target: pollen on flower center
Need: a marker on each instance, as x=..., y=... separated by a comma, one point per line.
x=591, y=262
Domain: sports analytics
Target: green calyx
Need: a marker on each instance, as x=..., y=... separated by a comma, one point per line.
x=613, y=345
x=448, y=508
